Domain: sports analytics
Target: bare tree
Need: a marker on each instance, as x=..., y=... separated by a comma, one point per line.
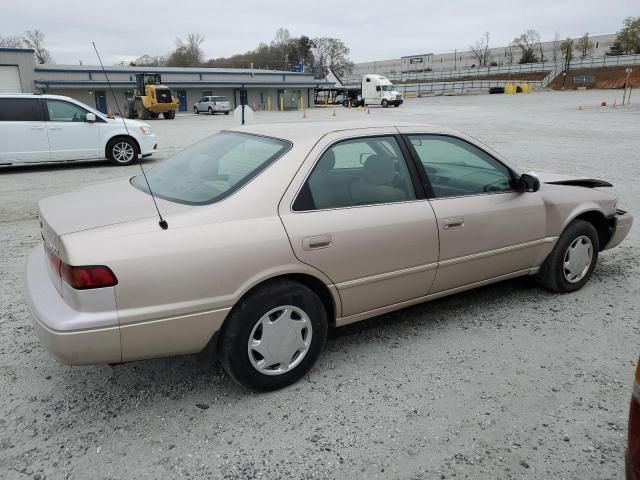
x=188, y=53
x=481, y=50
x=35, y=39
x=11, y=42
x=555, y=47
x=508, y=54
x=584, y=46
x=149, y=61
x=527, y=43
x=331, y=53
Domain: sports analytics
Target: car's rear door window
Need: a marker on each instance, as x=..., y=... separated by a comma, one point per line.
x=213, y=168
x=362, y=171
x=455, y=167
x=20, y=110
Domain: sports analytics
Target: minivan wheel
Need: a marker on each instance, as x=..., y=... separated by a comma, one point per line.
x=210, y=111
x=572, y=261
x=274, y=336
x=122, y=151
x=195, y=110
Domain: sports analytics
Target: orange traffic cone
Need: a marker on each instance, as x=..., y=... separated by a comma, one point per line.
x=334, y=113
x=579, y=107
x=614, y=104
x=368, y=110
x=109, y=113
x=304, y=114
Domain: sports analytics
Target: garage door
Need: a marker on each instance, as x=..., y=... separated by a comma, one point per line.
x=10, y=79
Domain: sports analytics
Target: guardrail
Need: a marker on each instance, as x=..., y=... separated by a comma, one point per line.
x=410, y=90
x=596, y=62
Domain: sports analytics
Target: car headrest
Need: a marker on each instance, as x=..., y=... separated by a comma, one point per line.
x=378, y=170
x=327, y=162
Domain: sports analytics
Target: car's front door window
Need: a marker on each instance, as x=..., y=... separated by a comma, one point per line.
x=457, y=168
x=61, y=111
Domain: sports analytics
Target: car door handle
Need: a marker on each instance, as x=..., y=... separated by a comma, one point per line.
x=37, y=128
x=313, y=243
x=453, y=222
x=55, y=128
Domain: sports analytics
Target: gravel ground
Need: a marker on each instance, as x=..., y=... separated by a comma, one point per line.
x=508, y=381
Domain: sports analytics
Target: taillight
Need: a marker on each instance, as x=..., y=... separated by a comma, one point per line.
x=82, y=278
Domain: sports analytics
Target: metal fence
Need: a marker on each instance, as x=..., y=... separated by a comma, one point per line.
x=608, y=61
x=410, y=90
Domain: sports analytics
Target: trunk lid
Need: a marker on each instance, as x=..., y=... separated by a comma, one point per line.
x=98, y=205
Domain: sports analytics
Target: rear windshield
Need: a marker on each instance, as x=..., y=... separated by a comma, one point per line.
x=212, y=169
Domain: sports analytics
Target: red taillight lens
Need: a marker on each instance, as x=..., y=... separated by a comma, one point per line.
x=94, y=276
x=82, y=278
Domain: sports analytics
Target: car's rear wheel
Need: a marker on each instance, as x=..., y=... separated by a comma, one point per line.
x=210, y=111
x=195, y=110
x=274, y=336
x=572, y=261
x=169, y=115
x=227, y=112
x=122, y=151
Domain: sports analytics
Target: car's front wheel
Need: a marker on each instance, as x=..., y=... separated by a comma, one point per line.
x=122, y=151
x=572, y=261
x=273, y=336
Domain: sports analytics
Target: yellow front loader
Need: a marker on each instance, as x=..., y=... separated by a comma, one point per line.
x=151, y=98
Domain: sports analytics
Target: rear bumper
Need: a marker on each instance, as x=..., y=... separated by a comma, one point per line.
x=620, y=226
x=56, y=322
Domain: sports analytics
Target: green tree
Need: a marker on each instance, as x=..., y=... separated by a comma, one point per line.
x=629, y=36
x=616, y=48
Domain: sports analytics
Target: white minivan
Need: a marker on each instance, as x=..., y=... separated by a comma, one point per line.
x=53, y=128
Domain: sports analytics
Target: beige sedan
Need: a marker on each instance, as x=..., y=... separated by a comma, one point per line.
x=274, y=233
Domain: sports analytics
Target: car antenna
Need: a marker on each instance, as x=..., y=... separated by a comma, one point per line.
x=163, y=223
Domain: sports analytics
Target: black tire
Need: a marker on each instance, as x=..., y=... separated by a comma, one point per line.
x=195, y=110
x=237, y=329
x=211, y=112
x=396, y=105
x=227, y=112
x=130, y=109
x=355, y=103
x=116, y=147
x=154, y=114
x=345, y=104
x=143, y=113
x=552, y=274
x=170, y=115
x=384, y=103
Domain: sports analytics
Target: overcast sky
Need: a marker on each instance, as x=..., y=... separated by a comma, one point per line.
x=374, y=30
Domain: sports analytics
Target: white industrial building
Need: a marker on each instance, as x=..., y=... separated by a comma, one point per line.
x=466, y=59
x=88, y=84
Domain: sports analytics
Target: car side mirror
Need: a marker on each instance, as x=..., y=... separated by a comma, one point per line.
x=528, y=183
x=91, y=117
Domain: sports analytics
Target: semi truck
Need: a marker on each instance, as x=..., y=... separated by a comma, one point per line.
x=374, y=90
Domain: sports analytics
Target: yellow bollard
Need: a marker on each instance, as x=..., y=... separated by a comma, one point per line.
x=269, y=103
x=282, y=103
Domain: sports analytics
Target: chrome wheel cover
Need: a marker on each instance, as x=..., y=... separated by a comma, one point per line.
x=123, y=152
x=577, y=259
x=280, y=340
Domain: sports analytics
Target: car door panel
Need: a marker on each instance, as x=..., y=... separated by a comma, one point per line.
x=486, y=228
x=71, y=139
x=23, y=134
x=376, y=255
x=499, y=234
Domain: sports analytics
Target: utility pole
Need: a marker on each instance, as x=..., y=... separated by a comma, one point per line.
x=455, y=59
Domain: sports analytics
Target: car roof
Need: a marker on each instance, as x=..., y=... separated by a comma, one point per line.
x=34, y=95
x=305, y=131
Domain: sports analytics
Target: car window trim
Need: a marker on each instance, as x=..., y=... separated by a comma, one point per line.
x=413, y=174
x=47, y=118
x=424, y=175
x=23, y=98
